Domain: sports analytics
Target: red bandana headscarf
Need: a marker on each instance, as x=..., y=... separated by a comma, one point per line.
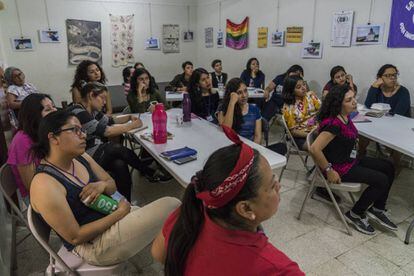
x=232, y=185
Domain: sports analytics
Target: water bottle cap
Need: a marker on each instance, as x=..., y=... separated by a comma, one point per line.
x=159, y=106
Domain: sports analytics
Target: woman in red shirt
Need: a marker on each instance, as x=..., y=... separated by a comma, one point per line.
x=216, y=231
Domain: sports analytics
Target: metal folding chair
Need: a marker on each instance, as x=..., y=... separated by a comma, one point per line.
x=349, y=187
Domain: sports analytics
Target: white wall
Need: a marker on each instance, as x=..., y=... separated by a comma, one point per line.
x=362, y=62
x=47, y=66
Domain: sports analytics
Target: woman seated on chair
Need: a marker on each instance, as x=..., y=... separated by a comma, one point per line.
x=339, y=77
x=300, y=109
x=68, y=179
x=204, y=102
x=237, y=113
x=111, y=156
x=89, y=71
x=216, y=230
x=22, y=162
x=335, y=152
x=143, y=93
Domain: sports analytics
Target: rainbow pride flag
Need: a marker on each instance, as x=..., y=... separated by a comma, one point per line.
x=237, y=35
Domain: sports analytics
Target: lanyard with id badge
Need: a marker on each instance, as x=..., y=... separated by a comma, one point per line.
x=354, y=151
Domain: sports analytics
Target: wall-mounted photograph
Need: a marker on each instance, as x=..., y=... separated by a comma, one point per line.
x=49, y=36
x=368, y=34
x=312, y=50
x=22, y=44
x=188, y=36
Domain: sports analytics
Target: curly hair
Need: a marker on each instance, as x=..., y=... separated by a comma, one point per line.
x=232, y=86
x=81, y=74
x=134, y=83
x=332, y=103
x=288, y=92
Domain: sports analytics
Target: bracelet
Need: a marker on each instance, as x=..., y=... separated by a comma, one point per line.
x=328, y=168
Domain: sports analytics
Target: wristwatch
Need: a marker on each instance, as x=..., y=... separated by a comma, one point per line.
x=328, y=168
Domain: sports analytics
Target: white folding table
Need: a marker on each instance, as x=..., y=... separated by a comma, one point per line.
x=171, y=96
x=200, y=135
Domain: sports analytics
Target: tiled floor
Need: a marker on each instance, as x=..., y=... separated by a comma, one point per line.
x=317, y=242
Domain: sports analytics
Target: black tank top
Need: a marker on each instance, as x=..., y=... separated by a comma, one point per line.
x=82, y=213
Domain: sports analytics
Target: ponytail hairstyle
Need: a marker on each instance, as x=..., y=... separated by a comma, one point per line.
x=194, y=89
x=51, y=123
x=191, y=216
x=332, y=103
x=232, y=86
x=95, y=87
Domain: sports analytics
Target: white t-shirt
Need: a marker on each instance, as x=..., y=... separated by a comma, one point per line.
x=21, y=92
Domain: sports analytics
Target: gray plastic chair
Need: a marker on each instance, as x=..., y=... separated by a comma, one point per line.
x=64, y=261
x=349, y=187
x=8, y=189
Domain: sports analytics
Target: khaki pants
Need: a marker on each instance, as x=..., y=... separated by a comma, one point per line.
x=128, y=236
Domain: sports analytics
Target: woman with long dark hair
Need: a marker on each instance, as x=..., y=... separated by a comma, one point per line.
x=335, y=152
x=204, y=102
x=237, y=113
x=89, y=71
x=23, y=164
x=216, y=230
x=68, y=180
x=143, y=92
x=252, y=76
x=300, y=109
x=339, y=77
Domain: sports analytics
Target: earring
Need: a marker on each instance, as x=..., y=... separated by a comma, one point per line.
x=253, y=217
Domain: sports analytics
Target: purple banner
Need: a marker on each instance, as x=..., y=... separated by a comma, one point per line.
x=401, y=33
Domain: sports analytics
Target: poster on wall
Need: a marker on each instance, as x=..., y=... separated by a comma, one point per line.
x=278, y=38
x=49, y=36
x=237, y=35
x=262, y=37
x=208, y=37
x=341, y=33
x=152, y=43
x=122, y=39
x=22, y=44
x=170, y=38
x=220, y=39
x=294, y=34
x=368, y=34
x=84, y=41
x=312, y=50
x=401, y=33
x=188, y=36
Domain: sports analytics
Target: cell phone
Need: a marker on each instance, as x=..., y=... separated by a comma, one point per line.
x=184, y=160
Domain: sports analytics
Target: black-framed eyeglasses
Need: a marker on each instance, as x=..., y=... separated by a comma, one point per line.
x=77, y=130
x=388, y=76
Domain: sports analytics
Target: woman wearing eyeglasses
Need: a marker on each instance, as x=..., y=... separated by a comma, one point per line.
x=67, y=179
x=386, y=89
x=339, y=77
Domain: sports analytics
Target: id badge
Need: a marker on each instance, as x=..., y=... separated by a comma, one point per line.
x=210, y=118
x=353, y=154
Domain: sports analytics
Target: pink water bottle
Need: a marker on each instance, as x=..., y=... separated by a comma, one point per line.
x=186, y=108
x=159, y=124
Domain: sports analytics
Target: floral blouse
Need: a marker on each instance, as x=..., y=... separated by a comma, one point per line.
x=301, y=114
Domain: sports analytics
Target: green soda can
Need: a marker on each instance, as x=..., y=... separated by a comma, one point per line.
x=103, y=204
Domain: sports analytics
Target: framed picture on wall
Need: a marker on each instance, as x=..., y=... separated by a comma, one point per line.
x=152, y=43
x=312, y=50
x=368, y=34
x=188, y=36
x=22, y=44
x=278, y=38
x=49, y=36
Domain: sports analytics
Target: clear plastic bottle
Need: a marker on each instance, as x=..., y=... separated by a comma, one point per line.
x=159, y=124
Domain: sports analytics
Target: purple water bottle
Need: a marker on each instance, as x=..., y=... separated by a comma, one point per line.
x=159, y=124
x=186, y=108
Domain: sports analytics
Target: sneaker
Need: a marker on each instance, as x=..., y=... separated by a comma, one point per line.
x=152, y=178
x=380, y=216
x=164, y=177
x=361, y=223
x=322, y=194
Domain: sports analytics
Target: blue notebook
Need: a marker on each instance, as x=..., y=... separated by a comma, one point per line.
x=178, y=153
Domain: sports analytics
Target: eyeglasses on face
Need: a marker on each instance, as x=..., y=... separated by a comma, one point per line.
x=76, y=129
x=389, y=76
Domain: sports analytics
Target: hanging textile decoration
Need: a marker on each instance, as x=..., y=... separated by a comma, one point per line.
x=122, y=39
x=237, y=35
x=401, y=33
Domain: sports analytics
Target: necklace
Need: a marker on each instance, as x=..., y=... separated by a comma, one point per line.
x=343, y=119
